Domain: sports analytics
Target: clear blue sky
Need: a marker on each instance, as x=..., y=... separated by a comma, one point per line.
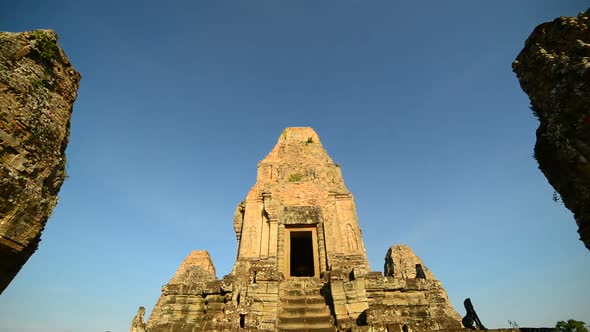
x=180, y=100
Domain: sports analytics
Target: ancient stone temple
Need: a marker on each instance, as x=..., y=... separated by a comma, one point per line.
x=301, y=262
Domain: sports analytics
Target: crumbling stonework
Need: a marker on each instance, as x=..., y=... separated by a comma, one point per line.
x=554, y=70
x=38, y=87
x=138, y=324
x=389, y=297
x=176, y=306
x=301, y=262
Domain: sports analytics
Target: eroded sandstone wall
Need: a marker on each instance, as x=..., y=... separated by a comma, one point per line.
x=38, y=86
x=553, y=69
x=194, y=299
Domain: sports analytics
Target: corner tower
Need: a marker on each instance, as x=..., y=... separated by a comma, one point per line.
x=299, y=219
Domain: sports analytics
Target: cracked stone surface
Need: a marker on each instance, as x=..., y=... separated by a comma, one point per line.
x=553, y=69
x=38, y=87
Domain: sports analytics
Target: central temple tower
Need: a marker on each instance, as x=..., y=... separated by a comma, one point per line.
x=299, y=218
x=301, y=263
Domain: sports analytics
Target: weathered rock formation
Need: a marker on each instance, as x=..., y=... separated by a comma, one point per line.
x=554, y=70
x=138, y=324
x=301, y=263
x=38, y=87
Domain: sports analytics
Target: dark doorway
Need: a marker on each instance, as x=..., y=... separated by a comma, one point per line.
x=301, y=254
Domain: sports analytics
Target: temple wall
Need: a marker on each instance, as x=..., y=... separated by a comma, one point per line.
x=251, y=240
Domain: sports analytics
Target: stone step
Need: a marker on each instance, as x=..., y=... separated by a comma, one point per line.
x=304, y=282
x=303, y=308
x=302, y=328
x=308, y=321
x=297, y=284
x=302, y=301
x=296, y=292
x=305, y=327
x=299, y=329
x=304, y=311
x=306, y=308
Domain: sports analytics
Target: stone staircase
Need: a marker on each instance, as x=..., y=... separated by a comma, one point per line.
x=302, y=308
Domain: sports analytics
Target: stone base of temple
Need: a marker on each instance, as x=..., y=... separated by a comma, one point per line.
x=262, y=299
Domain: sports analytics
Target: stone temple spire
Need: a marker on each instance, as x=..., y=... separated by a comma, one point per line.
x=299, y=187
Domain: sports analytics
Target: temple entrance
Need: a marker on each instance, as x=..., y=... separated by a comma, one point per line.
x=301, y=252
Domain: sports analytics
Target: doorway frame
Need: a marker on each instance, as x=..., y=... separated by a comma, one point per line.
x=314, y=243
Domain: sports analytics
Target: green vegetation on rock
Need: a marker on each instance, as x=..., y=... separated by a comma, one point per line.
x=46, y=47
x=295, y=177
x=38, y=84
